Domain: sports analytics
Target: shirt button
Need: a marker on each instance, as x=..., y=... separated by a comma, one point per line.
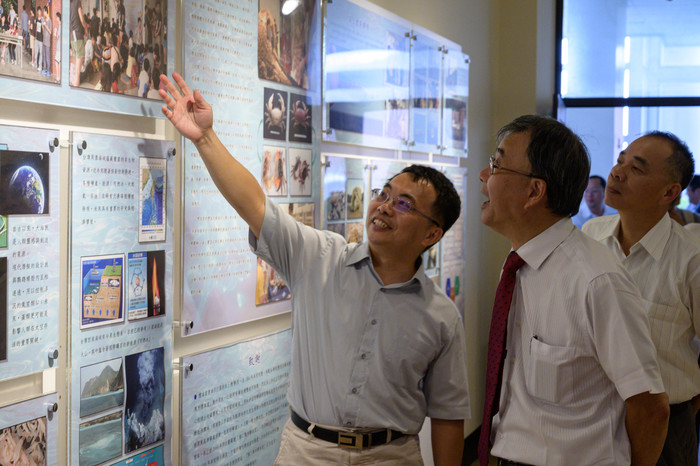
x=364, y=356
x=354, y=390
x=374, y=322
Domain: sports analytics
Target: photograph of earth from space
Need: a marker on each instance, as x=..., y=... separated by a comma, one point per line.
x=24, y=183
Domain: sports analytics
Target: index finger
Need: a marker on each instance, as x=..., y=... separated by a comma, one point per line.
x=183, y=85
x=170, y=87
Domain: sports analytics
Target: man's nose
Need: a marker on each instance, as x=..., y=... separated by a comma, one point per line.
x=484, y=174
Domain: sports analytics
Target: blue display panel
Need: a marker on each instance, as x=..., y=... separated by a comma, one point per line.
x=266, y=106
x=29, y=432
x=29, y=257
x=233, y=402
x=366, y=75
x=121, y=295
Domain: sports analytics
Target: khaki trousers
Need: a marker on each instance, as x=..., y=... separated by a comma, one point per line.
x=299, y=448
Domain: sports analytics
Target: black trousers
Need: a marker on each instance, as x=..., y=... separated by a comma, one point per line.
x=681, y=447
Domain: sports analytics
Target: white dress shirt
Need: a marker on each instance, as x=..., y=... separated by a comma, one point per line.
x=577, y=345
x=665, y=264
x=584, y=214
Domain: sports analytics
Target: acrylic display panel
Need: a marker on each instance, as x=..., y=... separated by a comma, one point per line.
x=366, y=75
x=121, y=295
x=452, y=245
x=29, y=259
x=426, y=92
x=234, y=401
x=455, y=101
x=266, y=99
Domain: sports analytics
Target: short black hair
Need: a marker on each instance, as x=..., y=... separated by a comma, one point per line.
x=599, y=178
x=680, y=163
x=447, y=205
x=558, y=156
x=694, y=183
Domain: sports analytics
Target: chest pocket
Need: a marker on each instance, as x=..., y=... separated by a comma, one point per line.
x=549, y=372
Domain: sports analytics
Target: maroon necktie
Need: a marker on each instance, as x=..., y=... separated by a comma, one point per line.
x=496, y=351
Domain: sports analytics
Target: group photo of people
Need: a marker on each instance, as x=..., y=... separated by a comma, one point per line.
x=30, y=39
x=118, y=49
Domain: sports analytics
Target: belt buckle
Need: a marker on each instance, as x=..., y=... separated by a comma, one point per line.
x=352, y=440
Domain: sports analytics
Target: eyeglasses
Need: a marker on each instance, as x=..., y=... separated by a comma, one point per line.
x=399, y=204
x=493, y=165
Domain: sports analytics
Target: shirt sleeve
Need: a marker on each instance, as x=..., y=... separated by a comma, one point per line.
x=694, y=291
x=620, y=329
x=290, y=247
x=445, y=385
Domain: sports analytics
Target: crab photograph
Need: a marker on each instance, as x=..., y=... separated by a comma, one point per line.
x=299, y=119
x=275, y=114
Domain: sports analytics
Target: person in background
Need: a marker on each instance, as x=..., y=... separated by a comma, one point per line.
x=78, y=31
x=131, y=67
x=116, y=73
x=682, y=216
x=593, y=197
x=57, y=51
x=693, y=192
x=105, y=82
x=4, y=26
x=90, y=62
x=24, y=23
x=144, y=79
x=12, y=17
x=366, y=367
x=39, y=43
x=579, y=381
x=46, y=48
x=664, y=260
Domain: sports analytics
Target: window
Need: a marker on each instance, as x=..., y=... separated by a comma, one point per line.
x=626, y=67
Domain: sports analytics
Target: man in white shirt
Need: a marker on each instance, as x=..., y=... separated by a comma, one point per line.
x=664, y=260
x=593, y=198
x=693, y=192
x=580, y=382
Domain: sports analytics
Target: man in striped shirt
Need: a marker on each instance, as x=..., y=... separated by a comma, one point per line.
x=664, y=260
x=580, y=381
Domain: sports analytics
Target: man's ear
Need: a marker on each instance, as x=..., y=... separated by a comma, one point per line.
x=537, y=192
x=432, y=236
x=671, y=193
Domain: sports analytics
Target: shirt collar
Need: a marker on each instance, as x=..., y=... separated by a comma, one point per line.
x=535, y=251
x=361, y=252
x=655, y=240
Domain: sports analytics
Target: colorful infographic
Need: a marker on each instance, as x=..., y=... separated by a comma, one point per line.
x=152, y=207
x=102, y=279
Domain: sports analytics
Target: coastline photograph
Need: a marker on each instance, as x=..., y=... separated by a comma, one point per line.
x=101, y=387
